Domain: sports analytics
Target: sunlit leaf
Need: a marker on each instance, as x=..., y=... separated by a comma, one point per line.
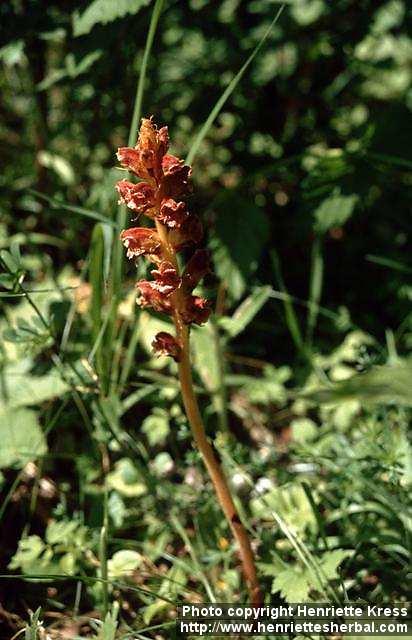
x=334, y=212
x=21, y=437
x=104, y=11
x=390, y=383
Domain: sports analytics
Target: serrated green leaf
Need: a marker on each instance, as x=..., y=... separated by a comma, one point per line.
x=21, y=437
x=62, y=532
x=28, y=552
x=292, y=584
x=104, y=11
x=331, y=560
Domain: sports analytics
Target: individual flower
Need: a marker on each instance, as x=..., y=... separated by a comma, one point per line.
x=172, y=165
x=164, y=344
x=138, y=197
x=196, y=310
x=150, y=296
x=172, y=213
x=141, y=241
x=167, y=279
x=175, y=183
x=189, y=232
x=197, y=267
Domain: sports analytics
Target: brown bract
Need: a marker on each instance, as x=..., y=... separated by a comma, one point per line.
x=165, y=182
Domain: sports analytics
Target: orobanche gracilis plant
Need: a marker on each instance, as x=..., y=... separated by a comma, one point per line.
x=160, y=196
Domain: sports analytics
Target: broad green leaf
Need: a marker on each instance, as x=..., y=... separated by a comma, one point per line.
x=388, y=16
x=12, y=53
x=21, y=437
x=10, y=261
x=307, y=11
x=104, y=11
x=23, y=389
x=123, y=563
x=117, y=509
x=390, y=383
x=270, y=388
x=245, y=313
x=162, y=463
x=205, y=356
x=334, y=212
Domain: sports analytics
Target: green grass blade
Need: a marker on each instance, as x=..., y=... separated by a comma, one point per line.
x=137, y=110
x=228, y=91
x=315, y=287
x=387, y=262
x=103, y=556
x=290, y=315
x=56, y=204
x=98, y=260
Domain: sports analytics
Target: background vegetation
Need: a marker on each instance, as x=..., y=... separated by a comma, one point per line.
x=304, y=183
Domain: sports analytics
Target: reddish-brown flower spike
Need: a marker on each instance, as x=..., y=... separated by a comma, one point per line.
x=165, y=181
x=165, y=344
x=140, y=241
